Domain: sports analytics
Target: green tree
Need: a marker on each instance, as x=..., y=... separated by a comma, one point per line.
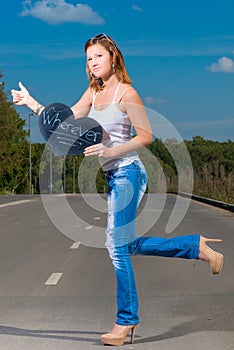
x=14, y=148
x=213, y=164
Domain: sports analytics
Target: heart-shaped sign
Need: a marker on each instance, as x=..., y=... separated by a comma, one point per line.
x=66, y=135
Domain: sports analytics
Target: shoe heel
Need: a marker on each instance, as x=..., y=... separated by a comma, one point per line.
x=132, y=334
x=217, y=240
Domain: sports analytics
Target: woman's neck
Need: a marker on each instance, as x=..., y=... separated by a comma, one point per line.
x=110, y=82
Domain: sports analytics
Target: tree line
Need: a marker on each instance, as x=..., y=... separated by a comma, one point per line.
x=32, y=168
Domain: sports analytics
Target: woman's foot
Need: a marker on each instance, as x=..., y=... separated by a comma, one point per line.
x=214, y=258
x=118, y=335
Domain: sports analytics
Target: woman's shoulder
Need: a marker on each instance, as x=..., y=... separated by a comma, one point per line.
x=88, y=94
x=126, y=87
x=128, y=93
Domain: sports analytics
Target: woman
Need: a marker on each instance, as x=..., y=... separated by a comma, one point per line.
x=113, y=102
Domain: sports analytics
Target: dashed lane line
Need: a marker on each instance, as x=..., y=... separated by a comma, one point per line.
x=53, y=279
x=89, y=227
x=75, y=245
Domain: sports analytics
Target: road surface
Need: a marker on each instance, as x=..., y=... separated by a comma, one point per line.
x=56, y=294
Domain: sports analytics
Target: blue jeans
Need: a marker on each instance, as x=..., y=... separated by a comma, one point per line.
x=126, y=186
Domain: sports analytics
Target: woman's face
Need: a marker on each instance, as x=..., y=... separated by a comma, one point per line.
x=99, y=60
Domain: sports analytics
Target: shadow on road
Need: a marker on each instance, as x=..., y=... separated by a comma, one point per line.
x=185, y=328
x=49, y=334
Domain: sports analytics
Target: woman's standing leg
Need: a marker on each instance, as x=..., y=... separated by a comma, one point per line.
x=126, y=187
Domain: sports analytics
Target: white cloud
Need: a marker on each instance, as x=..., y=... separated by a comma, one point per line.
x=59, y=11
x=137, y=8
x=155, y=101
x=224, y=64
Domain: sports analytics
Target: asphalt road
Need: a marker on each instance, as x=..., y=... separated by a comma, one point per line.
x=58, y=295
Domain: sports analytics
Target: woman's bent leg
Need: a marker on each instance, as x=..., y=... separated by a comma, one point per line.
x=186, y=247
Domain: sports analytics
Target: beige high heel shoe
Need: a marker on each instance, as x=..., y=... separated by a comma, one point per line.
x=119, y=339
x=214, y=258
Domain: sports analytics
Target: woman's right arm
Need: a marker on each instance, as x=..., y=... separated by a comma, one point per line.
x=23, y=98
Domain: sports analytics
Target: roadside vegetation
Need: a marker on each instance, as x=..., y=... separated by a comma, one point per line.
x=212, y=163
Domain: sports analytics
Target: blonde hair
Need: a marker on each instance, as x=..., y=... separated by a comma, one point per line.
x=119, y=63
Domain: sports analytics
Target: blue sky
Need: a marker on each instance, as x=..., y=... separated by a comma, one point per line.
x=179, y=54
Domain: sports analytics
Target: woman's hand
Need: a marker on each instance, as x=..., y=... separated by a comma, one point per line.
x=23, y=98
x=20, y=97
x=99, y=150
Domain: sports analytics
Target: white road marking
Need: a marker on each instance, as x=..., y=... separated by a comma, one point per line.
x=97, y=218
x=16, y=203
x=89, y=227
x=152, y=210
x=53, y=279
x=75, y=245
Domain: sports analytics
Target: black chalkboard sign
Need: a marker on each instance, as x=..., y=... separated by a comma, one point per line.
x=66, y=135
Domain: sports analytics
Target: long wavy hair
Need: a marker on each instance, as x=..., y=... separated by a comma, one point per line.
x=119, y=63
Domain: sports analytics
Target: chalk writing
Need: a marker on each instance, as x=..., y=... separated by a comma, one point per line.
x=65, y=134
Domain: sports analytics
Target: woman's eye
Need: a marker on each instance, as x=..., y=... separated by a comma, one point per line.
x=89, y=59
x=99, y=55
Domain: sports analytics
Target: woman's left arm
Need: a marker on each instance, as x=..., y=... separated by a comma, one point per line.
x=132, y=105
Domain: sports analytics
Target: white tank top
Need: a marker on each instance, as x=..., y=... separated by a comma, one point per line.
x=118, y=127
